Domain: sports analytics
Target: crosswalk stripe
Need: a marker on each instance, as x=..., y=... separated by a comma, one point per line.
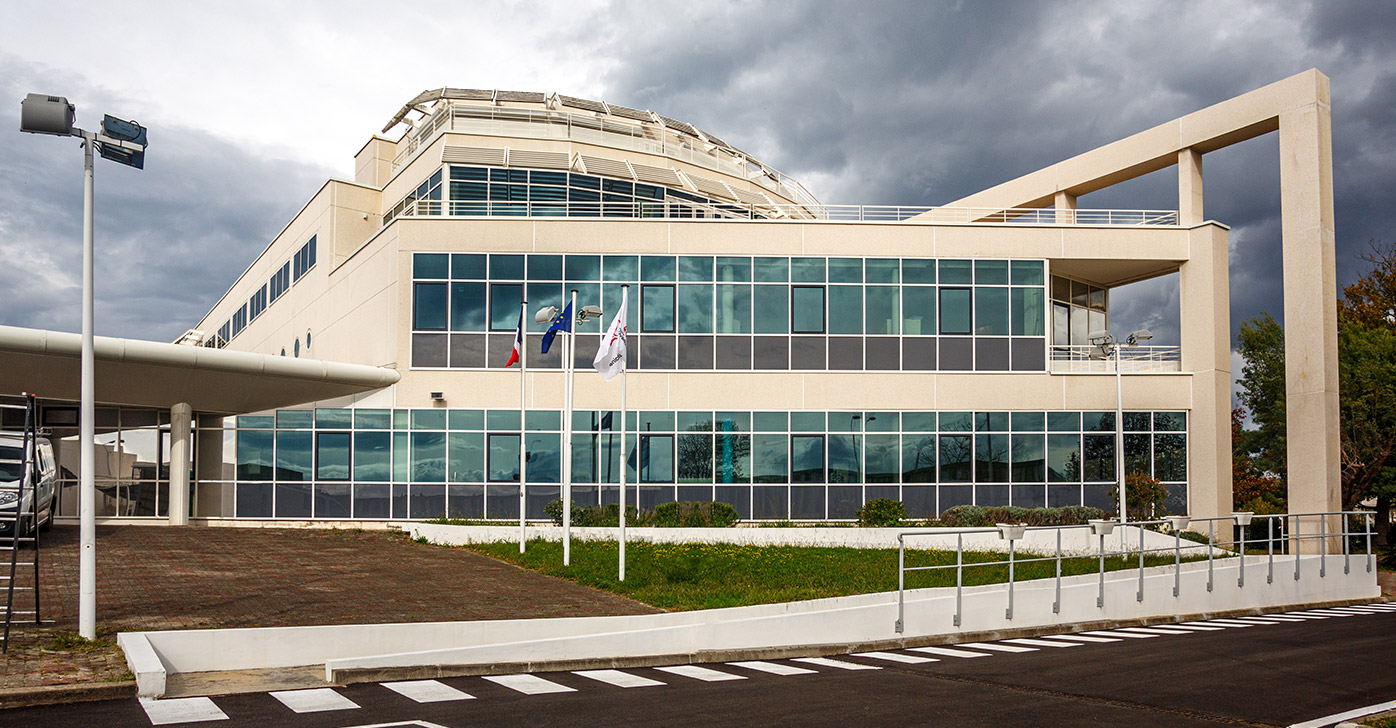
x=181, y=710
x=427, y=691
x=314, y=700
x=997, y=647
x=529, y=684
x=1248, y=620
x=1130, y=635
x=1041, y=643
x=840, y=664
x=1079, y=638
x=1267, y=619
x=896, y=657
x=1274, y=617
x=1351, y=610
x=1189, y=627
x=773, y=668
x=947, y=652
x=1305, y=617
x=617, y=678
x=1236, y=623
x=1151, y=630
x=1369, y=609
x=1329, y=613
x=700, y=673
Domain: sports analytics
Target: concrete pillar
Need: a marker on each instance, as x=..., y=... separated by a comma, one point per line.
x=214, y=497
x=1066, y=207
x=1190, y=187
x=1311, y=315
x=181, y=421
x=1204, y=317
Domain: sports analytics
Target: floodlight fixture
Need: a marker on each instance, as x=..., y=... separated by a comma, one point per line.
x=1099, y=337
x=545, y=314
x=589, y=312
x=43, y=114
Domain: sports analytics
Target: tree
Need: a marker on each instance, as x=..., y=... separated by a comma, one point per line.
x=1252, y=489
x=1261, y=343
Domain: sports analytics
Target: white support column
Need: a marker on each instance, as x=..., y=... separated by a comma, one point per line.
x=181, y=421
x=1204, y=303
x=1190, y=187
x=1066, y=207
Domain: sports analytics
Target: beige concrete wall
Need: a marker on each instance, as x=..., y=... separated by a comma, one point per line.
x=1205, y=322
x=373, y=165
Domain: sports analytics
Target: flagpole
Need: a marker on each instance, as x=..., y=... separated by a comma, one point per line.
x=568, y=355
x=625, y=294
x=523, y=406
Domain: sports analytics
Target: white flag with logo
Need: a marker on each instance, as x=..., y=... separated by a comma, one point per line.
x=610, y=357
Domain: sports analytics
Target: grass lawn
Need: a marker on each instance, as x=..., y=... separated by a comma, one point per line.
x=680, y=577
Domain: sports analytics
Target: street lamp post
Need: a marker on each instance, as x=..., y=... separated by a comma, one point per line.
x=1108, y=348
x=124, y=142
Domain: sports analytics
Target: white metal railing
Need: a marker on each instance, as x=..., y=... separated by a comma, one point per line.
x=1287, y=530
x=674, y=208
x=1085, y=359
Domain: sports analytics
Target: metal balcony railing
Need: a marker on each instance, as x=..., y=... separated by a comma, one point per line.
x=1084, y=359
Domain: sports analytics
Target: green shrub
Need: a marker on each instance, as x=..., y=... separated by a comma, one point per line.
x=1193, y=536
x=690, y=514
x=881, y=512
x=986, y=516
x=1146, y=497
x=695, y=514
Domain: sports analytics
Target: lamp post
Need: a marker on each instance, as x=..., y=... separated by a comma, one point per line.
x=123, y=142
x=1107, y=347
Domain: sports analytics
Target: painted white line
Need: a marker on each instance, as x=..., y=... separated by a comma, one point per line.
x=1369, y=609
x=427, y=691
x=1192, y=627
x=1274, y=617
x=1351, y=610
x=313, y=700
x=1267, y=619
x=896, y=657
x=1131, y=635
x=997, y=647
x=947, y=652
x=1306, y=617
x=840, y=664
x=181, y=710
x=700, y=673
x=1247, y=620
x=1233, y=623
x=617, y=678
x=1079, y=638
x=1041, y=643
x=1329, y=613
x=1214, y=626
x=1328, y=720
x=772, y=667
x=1151, y=630
x=529, y=684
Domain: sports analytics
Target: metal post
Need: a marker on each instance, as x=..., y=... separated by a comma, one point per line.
x=1100, y=598
x=622, y=472
x=1120, y=447
x=1241, y=567
x=1139, y=597
x=1322, y=546
x=1211, y=550
x=1008, y=614
x=523, y=407
x=1270, y=549
x=1346, y=555
x=569, y=343
x=1177, y=560
x=959, y=576
x=1294, y=545
x=1057, y=605
x=87, y=498
x=901, y=581
x=1368, y=519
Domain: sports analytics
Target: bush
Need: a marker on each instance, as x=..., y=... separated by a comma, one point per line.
x=881, y=512
x=986, y=516
x=690, y=514
x=1146, y=497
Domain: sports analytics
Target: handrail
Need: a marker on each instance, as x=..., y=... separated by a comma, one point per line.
x=1291, y=536
x=1085, y=358
x=684, y=209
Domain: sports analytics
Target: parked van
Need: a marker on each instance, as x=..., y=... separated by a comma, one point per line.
x=11, y=472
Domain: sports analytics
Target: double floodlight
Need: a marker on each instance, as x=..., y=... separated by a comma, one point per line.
x=119, y=140
x=548, y=313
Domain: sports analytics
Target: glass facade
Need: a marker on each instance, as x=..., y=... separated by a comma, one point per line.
x=380, y=463
x=741, y=313
x=1078, y=309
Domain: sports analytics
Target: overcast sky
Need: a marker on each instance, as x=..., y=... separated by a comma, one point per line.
x=251, y=105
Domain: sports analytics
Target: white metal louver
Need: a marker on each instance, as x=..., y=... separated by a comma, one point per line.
x=473, y=155
x=537, y=159
x=608, y=167
x=656, y=175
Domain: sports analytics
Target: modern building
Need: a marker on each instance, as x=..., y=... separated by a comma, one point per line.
x=788, y=357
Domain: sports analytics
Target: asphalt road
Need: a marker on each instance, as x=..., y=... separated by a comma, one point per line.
x=1270, y=672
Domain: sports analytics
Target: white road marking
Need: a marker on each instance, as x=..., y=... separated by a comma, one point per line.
x=181, y=710
x=896, y=657
x=1151, y=630
x=1234, y=622
x=1267, y=619
x=427, y=691
x=1041, y=643
x=1190, y=627
x=1351, y=610
x=1131, y=635
x=1329, y=613
x=840, y=664
x=1079, y=638
x=314, y=700
x=947, y=652
x=700, y=673
x=529, y=684
x=1274, y=617
x=1301, y=615
x=772, y=667
x=1328, y=720
x=997, y=647
x=617, y=678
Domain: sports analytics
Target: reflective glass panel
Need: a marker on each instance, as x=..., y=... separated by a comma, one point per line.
x=770, y=306
x=807, y=310
x=332, y=455
x=1028, y=312
x=845, y=309
x=991, y=311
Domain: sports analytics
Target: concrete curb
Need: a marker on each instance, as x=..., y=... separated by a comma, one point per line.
x=75, y=693
x=347, y=676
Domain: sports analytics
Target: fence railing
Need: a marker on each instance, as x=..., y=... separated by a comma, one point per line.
x=1083, y=358
x=1284, y=529
x=684, y=209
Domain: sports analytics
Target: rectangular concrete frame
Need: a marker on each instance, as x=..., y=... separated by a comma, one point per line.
x=1300, y=109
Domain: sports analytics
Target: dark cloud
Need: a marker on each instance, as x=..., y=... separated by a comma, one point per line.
x=169, y=239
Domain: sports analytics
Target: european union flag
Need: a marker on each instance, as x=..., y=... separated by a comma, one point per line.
x=561, y=322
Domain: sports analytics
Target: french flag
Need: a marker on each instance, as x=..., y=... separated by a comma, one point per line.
x=518, y=343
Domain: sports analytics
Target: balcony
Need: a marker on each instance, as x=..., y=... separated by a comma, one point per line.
x=1085, y=359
